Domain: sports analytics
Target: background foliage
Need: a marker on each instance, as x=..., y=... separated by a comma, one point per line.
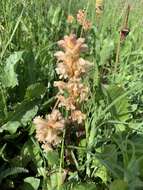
x=110, y=155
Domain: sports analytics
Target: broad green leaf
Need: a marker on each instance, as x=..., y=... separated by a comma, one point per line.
x=119, y=185
x=57, y=179
x=101, y=170
x=11, y=126
x=9, y=78
x=4, y=173
x=29, y=114
x=106, y=51
x=121, y=109
x=35, y=90
x=30, y=152
x=23, y=114
x=53, y=158
x=34, y=182
x=85, y=186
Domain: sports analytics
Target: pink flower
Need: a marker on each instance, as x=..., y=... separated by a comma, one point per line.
x=47, y=130
x=78, y=116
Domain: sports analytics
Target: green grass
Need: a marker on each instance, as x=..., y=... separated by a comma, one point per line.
x=110, y=155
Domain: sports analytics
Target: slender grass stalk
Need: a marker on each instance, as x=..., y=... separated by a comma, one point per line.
x=4, y=100
x=124, y=26
x=61, y=161
x=13, y=33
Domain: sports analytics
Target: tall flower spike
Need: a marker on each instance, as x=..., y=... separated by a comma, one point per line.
x=72, y=45
x=81, y=16
x=71, y=67
x=82, y=20
x=72, y=92
x=70, y=64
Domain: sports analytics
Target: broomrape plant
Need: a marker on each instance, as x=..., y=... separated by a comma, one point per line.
x=70, y=68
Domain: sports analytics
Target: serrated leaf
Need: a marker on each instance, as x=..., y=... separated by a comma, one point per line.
x=9, y=78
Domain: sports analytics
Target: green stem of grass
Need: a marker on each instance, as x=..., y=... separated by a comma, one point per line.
x=4, y=100
x=61, y=162
x=13, y=33
x=117, y=57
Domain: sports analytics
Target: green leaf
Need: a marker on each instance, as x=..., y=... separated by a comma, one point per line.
x=4, y=173
x=53, y=158
x=23, y=114
x=29, y=114
x=30, y=152
x=81, y=152
x=119, y=185
x=101, y=170
x=2, y=105
x=121, y=108
x=9, y=78
x=34, y=182
x=11, y=127
x=35, y=90
x=84, y=186
x=106, y=51
x=54, y=15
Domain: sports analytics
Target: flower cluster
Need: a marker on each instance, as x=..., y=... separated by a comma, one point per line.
x=71, y=92
x=49, y=129
x=82, y=20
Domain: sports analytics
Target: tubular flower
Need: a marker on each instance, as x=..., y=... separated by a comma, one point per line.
x=72, y=45
x=48, y=130
x=82, y=20
x=70, y=64
x=71, y=67
x=73, y=88
x=87, y=25
x=71, y=92
x=77, y=116
x=68, y=103
x=76, y=93
x=81, y=16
